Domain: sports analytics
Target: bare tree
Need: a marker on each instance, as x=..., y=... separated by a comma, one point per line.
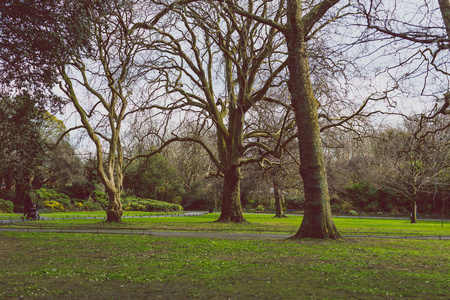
x=216, y=66
x=99, y=83
x=417, y=35
x=317, y=221
x=301, y=23
x=414, y=167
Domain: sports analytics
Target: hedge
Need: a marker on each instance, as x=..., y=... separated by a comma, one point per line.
x=132, y=203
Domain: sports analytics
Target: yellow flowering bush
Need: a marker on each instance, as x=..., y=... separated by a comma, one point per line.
x=54, y=205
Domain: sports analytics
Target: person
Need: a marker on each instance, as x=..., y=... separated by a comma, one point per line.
x=3, y=185
x=33, y=212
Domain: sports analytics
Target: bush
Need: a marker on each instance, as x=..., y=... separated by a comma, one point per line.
x=101, y=198
x=360, y=194
x=177, y=200
x=197, y=199
x=198, y=204
x=53, y=205
x=296, y=203
x=346, y=206
x=260, y=208
x=140, y=204
x=80, y=190
x=6, y=206
x=352, y=212
x=372, y=207
x=335, y=207
x=90, y=206
x=47, y=195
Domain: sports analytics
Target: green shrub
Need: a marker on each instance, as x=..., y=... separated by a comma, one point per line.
x=260, y=208
x=177, y=200
x=132, y=203
x=360, y=193
x=352, y=212
x=81, y=189
x=295, y=203
x=335, y=207
x=6, y=206
x=372, y=207
x=100, y=198
x=91, y=206
x=346, y=206
x=42, y=195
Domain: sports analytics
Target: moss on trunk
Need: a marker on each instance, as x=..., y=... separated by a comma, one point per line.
x=317, y=221
x=231, y=199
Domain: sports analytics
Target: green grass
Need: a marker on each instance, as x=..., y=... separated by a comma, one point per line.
x=258, y=223
x=70, y=266
x=390, y=227
x=82, y=214
x=102, y=214
x=7, y=216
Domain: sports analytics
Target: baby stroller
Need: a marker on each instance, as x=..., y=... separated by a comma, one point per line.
x=33, y=213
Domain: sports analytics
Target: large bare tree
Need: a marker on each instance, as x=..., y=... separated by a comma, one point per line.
x=301, y=19
x=298, y=22
x=99, y=83
x=217, y=65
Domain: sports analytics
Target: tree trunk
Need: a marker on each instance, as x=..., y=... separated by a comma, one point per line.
x=20, y=190
x=414, y=213
x=231, y=197
x=317, y=221
x=444, y=5
x=114, y=211
x=279, y=197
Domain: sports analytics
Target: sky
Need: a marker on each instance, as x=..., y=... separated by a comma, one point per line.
x=382, y=64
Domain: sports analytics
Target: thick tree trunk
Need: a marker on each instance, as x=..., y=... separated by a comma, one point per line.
x=20, y=194
x=317, y=221
x=231, y=198
x=279, y=197
x=114, y=211
x=445, y=11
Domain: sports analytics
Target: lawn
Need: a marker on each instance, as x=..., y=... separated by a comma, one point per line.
x=106, y=266
x=70, y=266
x=258, y=223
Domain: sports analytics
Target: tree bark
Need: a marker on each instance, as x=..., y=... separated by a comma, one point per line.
x=114, y=211
x=231, y=197
x=444, y=5
x=279, y=198
x=317, y=221
x=19, y=193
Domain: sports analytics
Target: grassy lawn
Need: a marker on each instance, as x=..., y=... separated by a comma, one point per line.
x=258, y=223
x=70, y=266
x=98, y=214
